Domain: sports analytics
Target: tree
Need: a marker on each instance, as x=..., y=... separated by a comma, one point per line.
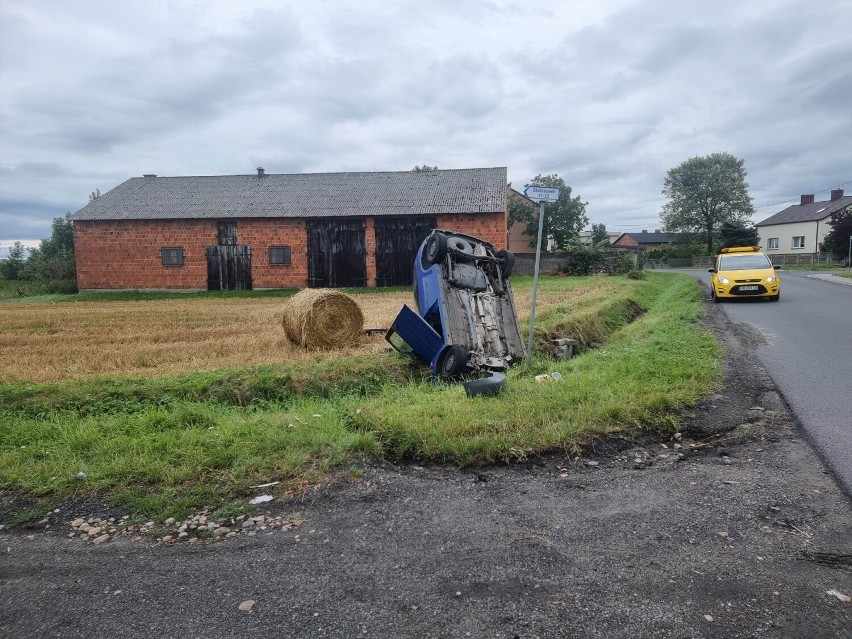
x=599, y=234
x=13, y=267
x=563, y=219
x=520, y=210
x=737, y=234
x=837, y=240
x=417, y=168
x=704, y=192
x=94, y=195
x=54, y=257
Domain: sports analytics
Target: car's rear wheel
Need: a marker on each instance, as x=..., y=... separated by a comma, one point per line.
x=436, y=249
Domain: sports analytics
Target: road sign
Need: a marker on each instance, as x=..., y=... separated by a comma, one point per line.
x=542, y=193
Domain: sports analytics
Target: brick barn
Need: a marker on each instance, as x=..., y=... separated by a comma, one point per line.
x=279, y=230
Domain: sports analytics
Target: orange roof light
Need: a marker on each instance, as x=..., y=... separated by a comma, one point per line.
x=741, y=249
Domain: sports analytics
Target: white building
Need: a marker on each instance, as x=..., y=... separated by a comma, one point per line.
x=800, y=228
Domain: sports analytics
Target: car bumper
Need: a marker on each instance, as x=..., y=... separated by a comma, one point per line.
x=761, y=289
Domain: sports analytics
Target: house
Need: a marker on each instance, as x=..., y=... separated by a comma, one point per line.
x=279, y=230
x=518, y=241
x=644, y=239
x=800, y=228
x=585, y=237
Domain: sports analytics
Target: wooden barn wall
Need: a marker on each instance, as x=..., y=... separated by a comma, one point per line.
x=125, y=254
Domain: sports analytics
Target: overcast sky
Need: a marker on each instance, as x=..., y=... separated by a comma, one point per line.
x=609, y=94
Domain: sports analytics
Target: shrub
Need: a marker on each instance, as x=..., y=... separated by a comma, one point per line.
x=620, y=263
x=582, y=259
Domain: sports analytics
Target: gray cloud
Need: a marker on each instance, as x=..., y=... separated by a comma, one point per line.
x=610, y=95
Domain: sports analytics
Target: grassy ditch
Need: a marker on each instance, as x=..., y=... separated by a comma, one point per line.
x=160, y=445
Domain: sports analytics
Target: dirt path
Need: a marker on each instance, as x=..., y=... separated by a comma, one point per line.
x=734, y=534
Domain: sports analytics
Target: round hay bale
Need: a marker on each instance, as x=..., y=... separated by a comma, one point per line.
x=323, y=319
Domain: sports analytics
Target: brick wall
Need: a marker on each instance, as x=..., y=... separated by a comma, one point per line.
x=370, y=247
x=490, y=227
x=126, y=254
x=262, y=234
x=625, y=241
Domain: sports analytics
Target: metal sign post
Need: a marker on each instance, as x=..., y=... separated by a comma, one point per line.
x=542, y=195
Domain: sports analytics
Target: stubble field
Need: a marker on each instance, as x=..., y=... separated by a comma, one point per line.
x=45, y=342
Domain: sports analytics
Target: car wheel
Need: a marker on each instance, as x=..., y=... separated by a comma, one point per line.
x=453, y=362
x=507, y=262
x=436, y=249
x=774, y=298
x=715, y=297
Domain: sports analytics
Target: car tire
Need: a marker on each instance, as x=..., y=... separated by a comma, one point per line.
x=507, y=262
x=715, y=297
x=774, y=298
x=435, y=250
x=452, y=362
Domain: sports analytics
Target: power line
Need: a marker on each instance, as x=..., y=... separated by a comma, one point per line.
x=793, y=200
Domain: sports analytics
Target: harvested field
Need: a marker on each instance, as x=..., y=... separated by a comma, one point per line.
x=44, y=342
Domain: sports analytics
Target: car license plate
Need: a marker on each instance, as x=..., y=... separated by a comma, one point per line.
x=748, y=288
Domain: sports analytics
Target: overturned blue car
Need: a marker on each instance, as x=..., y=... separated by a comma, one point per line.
x=465, y=324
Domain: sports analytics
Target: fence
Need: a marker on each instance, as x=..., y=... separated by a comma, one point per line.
x=810, y=259
x=779, y=259
x=552, y=261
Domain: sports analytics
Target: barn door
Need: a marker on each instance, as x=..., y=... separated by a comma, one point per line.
x=228, y=263
x=397, y=241
x=228, y=268
x=337, y=256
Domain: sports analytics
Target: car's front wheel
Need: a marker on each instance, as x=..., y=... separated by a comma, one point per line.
x=774, y=298
x=453, y=362
x=507, y=262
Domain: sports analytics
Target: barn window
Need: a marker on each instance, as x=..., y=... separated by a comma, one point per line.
x=279, y=255
x=172, y=256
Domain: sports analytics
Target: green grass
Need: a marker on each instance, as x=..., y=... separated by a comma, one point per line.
x=846, y=273
x=162, y=446
x=808, y=267
x=642, y=376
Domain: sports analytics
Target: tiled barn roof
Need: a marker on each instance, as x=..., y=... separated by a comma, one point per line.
x=302, y=195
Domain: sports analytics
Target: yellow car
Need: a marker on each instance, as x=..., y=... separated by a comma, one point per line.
x=744, y=272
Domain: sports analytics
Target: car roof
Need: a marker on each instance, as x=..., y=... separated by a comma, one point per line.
x=741, y=249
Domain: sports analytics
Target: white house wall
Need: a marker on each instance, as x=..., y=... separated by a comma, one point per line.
x=813, y=232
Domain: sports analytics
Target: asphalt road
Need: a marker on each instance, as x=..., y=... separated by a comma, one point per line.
x=807, y=350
